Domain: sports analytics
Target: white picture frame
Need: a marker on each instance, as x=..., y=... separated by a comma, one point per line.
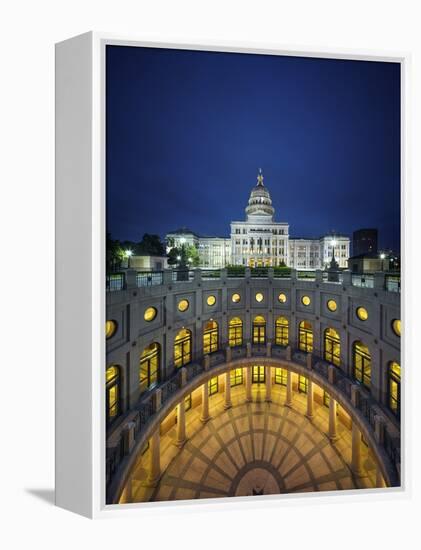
x=80, y=273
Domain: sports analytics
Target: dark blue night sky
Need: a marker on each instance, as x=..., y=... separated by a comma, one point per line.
x=187, y=132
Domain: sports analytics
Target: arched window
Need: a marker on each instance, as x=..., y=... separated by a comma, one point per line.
x=182, y=348
x=305, y=336
x=235, y=332
x=332, y=345
x=112, y=381
x=361, y=361
x=394, y=387
x=281, y=331
x=210, y=337
x=149, y=367
x=259, y=330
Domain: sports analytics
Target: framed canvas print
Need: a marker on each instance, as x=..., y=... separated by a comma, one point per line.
x=229, y=266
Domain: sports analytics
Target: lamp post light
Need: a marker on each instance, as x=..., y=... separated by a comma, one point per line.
x=129, y=254
x=333, y=269
x=382, y=257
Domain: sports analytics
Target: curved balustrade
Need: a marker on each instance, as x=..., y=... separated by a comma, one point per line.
x=131, y=279
x=378, y=428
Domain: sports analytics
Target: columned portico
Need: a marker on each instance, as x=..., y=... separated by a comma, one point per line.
x=228, y=403
x=248, y=372
x=154, y=473
x=333, y=435
x=310, y=400
x=181, y=424
x=204, y=417
x=288, y=402
x=268, y=376
x=356, y=450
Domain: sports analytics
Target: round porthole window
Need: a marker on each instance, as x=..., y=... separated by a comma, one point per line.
x=362, y=313
x=396, y=326
x=282, y=298
x=110, y=328
x=211, y=300
x=306, y=300
x=236, y=298
x=259, y=297
x=183, y=305
x=332, y=305
x=150, y=314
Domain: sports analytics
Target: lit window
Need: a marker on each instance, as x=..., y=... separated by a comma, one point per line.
x=281, y=331
x=259, y=297
x=182, y=348
x=110, y=328
x=332, y=305
x=259, y=330
x=361, y=359
x=394, y=387
x=149, y=367
x=396, y=326
x=258, y=374
x=235, y=298
x=362, y=313
x=306, y=300
x=183, y=305
x=235, y=332
x=305, y=336
x=302, y=384
x=236, y=377
x=210, y=337
x=150, y=314
x=213, y=385
x=332, y=346
x=112, y=377
x=282, y=298
x=211, y=300
x=281, y=376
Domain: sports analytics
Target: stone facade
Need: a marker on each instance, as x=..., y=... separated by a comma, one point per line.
x=260, y=241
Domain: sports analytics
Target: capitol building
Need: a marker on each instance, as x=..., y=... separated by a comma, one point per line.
x=260, y=241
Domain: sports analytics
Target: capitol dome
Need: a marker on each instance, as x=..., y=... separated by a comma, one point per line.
x=260, y=203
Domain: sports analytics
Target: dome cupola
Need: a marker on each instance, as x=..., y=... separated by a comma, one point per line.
x=260, y=204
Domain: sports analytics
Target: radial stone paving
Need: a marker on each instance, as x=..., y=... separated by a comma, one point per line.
x=253, y=448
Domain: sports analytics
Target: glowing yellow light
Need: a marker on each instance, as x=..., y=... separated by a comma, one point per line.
x=259, y=297
x=396, y=326
x=236, y=298
x=282, y=298
x=306, y=300
x=150, y=314
x=332, y=305
x=110, y=328
x=183, y=305
x=362, y=314
x=211, y=300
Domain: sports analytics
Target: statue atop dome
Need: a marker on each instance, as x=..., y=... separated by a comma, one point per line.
x=260, y=204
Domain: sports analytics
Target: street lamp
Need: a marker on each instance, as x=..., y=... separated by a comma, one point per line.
x=129, y=254
x=382, y=257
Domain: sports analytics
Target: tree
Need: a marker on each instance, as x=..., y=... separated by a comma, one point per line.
x=150, y=245
x=114, y=254
x=184, y=256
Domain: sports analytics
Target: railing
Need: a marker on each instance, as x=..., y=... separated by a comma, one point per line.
x=257, y=272
x=307, y=275
x=147, y=406
x=120, y=281
x=393, y=283
x=182, y=275
x=115, y=281
x=149, y=278
x=209, y=274
x=364, y=280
